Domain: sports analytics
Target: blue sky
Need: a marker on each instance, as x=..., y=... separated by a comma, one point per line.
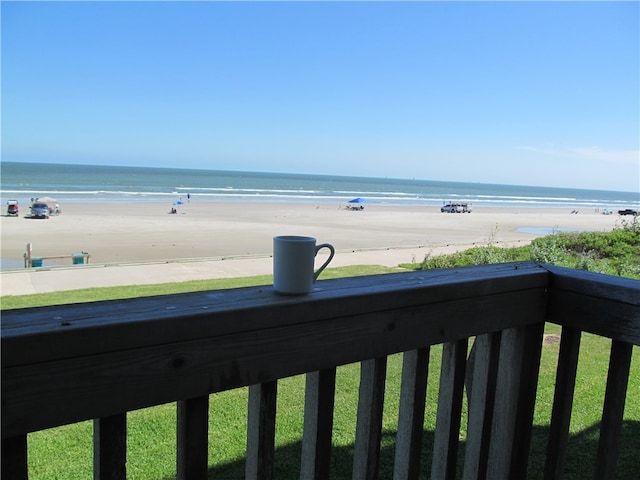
x=529, y=93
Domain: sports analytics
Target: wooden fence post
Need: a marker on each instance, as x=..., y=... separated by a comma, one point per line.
x=413, y=393
x=193, y=439
x=318, y=424
x=261, y=431
x=446, y=439
x=110, y=447
x=369, y=423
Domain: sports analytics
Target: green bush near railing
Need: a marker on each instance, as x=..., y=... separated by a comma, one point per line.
x=612, y=253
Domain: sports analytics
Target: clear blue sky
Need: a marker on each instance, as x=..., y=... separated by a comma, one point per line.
x=530, y=93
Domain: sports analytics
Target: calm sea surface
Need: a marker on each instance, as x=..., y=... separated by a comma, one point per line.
x=106, y=184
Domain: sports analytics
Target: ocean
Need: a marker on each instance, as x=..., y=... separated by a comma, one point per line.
x=114, y=184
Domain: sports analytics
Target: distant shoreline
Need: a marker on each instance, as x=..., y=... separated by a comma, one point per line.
x=91, y=184
x=169, y=200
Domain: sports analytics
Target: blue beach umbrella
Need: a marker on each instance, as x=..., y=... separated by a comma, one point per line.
x=357, y=200
x=178, y=202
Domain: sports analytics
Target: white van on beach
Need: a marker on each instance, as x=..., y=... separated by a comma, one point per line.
x=456, y=208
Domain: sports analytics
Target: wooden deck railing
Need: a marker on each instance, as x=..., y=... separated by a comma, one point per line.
x=71, y=363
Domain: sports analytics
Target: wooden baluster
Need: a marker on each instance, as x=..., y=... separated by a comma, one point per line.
x=193, y=439
x=261, y=431
x=482, y=372
x=318, y=424
x=413, y=392
x=110, y=447
x=14, y=458
x=502, y=431
x=528, y=386
x=562, y=403
x=515, y=400
x=613, y=410
x=446, y=439
x=369, y=424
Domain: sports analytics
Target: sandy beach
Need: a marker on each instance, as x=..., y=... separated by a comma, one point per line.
x=144, y=243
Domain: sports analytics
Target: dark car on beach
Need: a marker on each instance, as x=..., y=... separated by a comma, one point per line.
x=628, y=211
x=40, y=210
x=12, y=208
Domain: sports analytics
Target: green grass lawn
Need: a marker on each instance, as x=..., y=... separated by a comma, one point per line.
x=67, y=452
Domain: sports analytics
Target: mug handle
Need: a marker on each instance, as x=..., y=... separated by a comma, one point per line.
x=324, y=265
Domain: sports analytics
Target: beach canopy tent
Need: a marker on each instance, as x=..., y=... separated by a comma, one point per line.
x=46, y=200
x=356, y=204
x=178, y=202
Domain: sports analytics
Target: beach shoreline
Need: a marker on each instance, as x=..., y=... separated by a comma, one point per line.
x=242, y=232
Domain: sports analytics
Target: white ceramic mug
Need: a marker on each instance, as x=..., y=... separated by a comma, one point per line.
x=294, y=262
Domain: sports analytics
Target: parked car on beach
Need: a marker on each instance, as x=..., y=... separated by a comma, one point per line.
x=456, y=208
x=12, y=208
x=40, y=210
x=628, y=211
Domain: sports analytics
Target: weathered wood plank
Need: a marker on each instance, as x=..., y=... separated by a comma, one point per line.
x=366, y=461
x=601, y=304
x=14, y=458
x=167, y=372
x=609, y=287
x=110, y=448
x=192, y=462
x=447, y=434
x=84, y=329
x=318, y=424
x=261, y=431
x=613, y=410
x=482, y=371
x=514, y=401
x=607, y=318
x=528, y=386
x=562, y=404
x=504, y=415
x=413, y=392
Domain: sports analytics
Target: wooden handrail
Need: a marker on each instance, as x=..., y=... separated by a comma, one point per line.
x=70, y=363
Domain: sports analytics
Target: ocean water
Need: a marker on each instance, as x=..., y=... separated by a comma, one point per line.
x=111, y=184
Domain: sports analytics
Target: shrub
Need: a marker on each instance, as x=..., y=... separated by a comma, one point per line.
x=614, y=253
x=475, y=256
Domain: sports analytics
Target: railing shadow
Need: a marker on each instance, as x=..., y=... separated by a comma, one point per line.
x=287, y=461
x=581, y=450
